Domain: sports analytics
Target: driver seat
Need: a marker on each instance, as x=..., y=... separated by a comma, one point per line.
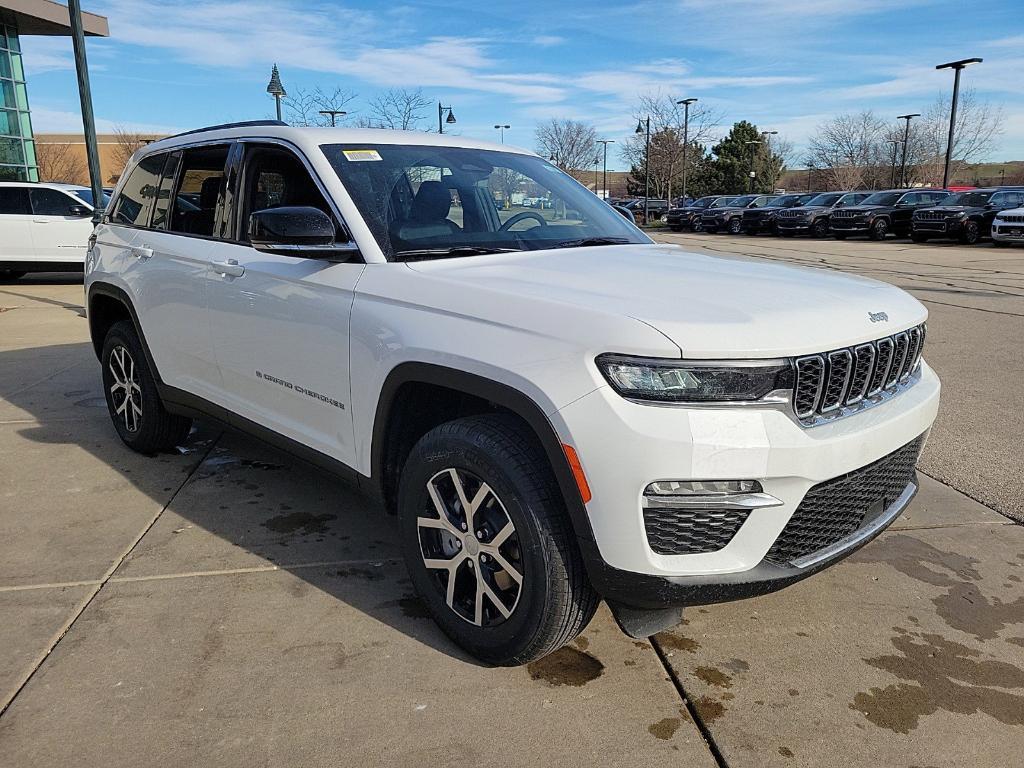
x=429, y=214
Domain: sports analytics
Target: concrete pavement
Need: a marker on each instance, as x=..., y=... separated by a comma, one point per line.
x=229, y=606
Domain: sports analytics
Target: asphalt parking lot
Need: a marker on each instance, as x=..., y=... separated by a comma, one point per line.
x=227, y=605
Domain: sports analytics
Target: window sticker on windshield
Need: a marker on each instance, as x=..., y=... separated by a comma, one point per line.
x=361, y=155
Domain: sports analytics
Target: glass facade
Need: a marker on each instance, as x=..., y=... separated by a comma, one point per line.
x=17, y=147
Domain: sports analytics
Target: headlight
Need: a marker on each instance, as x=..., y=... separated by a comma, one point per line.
x=679, y=381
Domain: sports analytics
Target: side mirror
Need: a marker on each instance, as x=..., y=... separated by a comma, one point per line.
x=300, y=231
x=625, y=213
x=81, y=211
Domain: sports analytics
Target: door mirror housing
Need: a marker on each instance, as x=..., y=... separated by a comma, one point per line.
x=300, y=231
x=81, y=211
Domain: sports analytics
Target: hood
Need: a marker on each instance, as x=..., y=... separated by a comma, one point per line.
x=864, y=208
x=717, y=211
x=952, y=208
x=710, y=306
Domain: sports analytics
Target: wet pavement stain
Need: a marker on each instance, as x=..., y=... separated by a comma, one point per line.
x=944, y=675
x=665, y=728
x=793, y=692
x=708, y=709
x=737, y=665
x=963, y=607
x=582, y=642
x=362, y=573
x=785, y=751
x=297, y=521
x=410, y=606
x=673, y=642
x=713, y=677
x=920, y=560
x=566, y=666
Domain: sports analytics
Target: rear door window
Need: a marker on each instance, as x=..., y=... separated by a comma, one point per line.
x=51, y=202
x=135, y=201
x=200, y=187
x=165, y=191
x=14, y=201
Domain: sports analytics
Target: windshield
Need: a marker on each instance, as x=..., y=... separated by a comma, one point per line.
x=724, y=202
x=86, y=195
x=972, y=198
x=827, y=200
x=744, y=201
x=430, y=201
x=703, y=202
x=786, y=201
x=882, y=198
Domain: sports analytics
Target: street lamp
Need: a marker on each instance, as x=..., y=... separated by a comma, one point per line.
x=441, y=119
x=768, y=142
x=956, y=66
x=686, y=138
x=604, y=183
x=275, y=89
x=332, y=113
x=502, y=128
x=892, y=170
x=751, y=171
x=906, y=139
x=647, y=161
x=810, y=170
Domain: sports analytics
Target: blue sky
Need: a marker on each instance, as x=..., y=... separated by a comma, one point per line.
x=786, y=65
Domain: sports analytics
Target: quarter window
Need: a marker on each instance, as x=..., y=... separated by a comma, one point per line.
x=50, y=202
x=135, y=202
x=14, y=201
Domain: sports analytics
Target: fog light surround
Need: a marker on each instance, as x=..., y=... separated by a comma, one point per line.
x=702, y=487
x=708, y=494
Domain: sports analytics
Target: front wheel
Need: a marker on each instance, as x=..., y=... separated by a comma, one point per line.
x=735, y=227
x=971, y=233
x=138, y=414
x=879, y=229
x=820, y=228
x=698, y=226
x=488, y=543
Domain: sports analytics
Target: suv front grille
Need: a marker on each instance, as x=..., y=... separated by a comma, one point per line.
x=1012, y=218
x=930, y=216
x=845, y=214
x=827, y=383
x=691, y=531
x=836, y=508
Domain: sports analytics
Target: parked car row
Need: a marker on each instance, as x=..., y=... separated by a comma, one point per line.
x=921, y=214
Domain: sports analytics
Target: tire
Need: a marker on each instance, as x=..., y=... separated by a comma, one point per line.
x=735, y=226
x=138, y=414
x=698, y=226
x=11, y=274
x=553, y=601
x=879, y=229
x=820, y=228
x=971, y=233
x=917, y=237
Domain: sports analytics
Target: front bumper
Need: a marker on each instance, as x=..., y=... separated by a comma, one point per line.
x=624, y=446
x=938, y=228
x=791, y=225
x=1009, y=233
x=851, y=227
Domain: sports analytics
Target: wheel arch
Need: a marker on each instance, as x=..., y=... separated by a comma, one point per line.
x=108, y=304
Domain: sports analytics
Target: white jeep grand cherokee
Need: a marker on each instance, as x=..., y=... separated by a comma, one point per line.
x=557, y=409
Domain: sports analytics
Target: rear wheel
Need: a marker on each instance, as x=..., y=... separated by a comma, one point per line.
x=879, y=229
x=488, y=542
x=129, y=385
x=11, y=274
x=971, y=233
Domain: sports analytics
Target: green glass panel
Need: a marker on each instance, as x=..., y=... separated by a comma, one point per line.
x=5, y=66
x=3, y=36
x=10, y=123
x=11, y=152
x=26, y=124
x=30, y=152
x=7, y=94
x=12, y=39
x=33, y=173
x=16, y=66
x=21, y=95
x=13, y=173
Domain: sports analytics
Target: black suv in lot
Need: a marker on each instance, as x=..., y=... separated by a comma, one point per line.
x=884, y=213
x=812, y=218
x=966, y=216
x=688, y=216
x=728, y=217
x=758, y=220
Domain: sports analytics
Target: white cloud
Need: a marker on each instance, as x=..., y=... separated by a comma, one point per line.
x=45, y=120
x=548, y=40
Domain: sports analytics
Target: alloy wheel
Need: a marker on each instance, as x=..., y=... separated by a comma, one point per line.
x=125, y=391
x=469, y=544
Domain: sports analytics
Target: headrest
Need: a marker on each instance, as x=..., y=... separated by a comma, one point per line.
x=432, y=202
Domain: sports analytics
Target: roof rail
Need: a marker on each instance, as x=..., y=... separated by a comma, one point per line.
x=222, y=126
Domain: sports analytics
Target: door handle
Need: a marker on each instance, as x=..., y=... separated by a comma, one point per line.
x=142, y=253
x=229, y=268
x=40, y=221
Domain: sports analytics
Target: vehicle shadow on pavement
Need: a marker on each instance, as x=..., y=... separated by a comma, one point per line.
x=230, y=504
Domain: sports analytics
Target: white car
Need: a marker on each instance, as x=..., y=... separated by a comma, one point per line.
x=558, y=409
x=43, y=227
x=1008, y=227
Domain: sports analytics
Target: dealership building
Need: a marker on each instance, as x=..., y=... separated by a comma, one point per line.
x=19, y=18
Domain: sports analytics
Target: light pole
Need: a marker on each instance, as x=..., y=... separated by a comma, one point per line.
x=810, y=169
x=892, y=170
x=275, y=89
x=957, y=67
x=604, y=183
x=92, y=154
x=502, y=128
x=906, y=140
x=686, y=139
x=647, y=161
x=768, y=144
x=441, y=119
x=333, y=114
x=751, y=170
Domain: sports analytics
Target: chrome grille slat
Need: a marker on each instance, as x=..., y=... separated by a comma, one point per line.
x=843, y=381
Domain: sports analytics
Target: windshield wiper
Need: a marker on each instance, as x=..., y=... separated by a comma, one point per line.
x=455, y=251
x=585, y=241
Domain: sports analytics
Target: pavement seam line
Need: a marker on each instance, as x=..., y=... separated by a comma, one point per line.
x=79, y=609
x=702, y=727
x=986, y=505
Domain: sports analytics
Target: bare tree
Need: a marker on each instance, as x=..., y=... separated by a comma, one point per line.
x=846, y=150
x=126, y=142
x=666, y=161
x=403, y=109
x=570, y=144
x=302, y=106
x=61, y=162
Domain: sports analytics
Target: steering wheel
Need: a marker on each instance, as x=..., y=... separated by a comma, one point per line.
x=520, y=217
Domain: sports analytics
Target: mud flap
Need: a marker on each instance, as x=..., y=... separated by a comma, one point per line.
x=641, y=623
